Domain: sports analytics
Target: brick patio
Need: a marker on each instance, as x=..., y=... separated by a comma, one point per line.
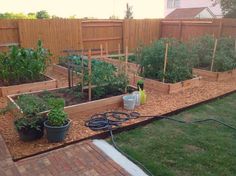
x=82, y=159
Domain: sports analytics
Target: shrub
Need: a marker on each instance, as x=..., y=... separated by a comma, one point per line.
x=179, y=65
x=21, y=65
x=57, y=117
x=201, y=50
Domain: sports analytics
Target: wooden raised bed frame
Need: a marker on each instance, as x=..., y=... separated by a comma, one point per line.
x=87, y=107
x=215, y=76
x=166, y=88
x=28, y=87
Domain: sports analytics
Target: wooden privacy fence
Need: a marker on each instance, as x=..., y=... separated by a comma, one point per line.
x=77, y=34
x=187, y=29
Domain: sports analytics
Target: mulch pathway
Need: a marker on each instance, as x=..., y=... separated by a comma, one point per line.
x=157, y=104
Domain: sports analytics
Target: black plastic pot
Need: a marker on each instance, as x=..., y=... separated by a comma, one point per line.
x=55, y=133
x=140, y=85
x=30, y=134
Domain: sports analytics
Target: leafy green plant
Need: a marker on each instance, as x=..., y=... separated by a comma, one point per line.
x=55, y=102
x=201, y=50
x=29, y=122
x=57, y=117
x=179, y=66
x=140, y=81
x=21, y=65
x=31, y=104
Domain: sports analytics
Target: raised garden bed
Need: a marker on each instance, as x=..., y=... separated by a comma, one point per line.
x=49, y=83
x=76, y=104
x=214, y=76
x=166, y=88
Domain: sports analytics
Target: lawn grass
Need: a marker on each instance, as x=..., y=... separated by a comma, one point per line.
x=169, y=148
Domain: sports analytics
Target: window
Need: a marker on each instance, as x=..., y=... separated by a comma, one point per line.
x=173, y=4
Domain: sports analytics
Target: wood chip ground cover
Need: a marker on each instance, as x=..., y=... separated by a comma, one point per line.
x=156, y=104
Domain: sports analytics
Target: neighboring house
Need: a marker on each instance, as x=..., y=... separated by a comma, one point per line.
x=189, y=13
x=171, y=5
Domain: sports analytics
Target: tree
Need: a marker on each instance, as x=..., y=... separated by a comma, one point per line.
x=43, y=14
x=128, y=12
x=228, y=7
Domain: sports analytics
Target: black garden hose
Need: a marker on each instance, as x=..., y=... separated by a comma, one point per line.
x=113, y=120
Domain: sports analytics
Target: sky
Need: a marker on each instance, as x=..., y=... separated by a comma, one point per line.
x=86, y=8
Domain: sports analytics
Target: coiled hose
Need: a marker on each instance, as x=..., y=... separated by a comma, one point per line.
x=113, y=120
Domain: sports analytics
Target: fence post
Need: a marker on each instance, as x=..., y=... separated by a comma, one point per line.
x=220, y=28
x=106, y=49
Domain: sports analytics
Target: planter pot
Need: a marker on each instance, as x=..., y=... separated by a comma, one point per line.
x=31, y=134
x=55, y=133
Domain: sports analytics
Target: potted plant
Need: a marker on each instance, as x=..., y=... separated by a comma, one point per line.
x=30, y=127
x=56, y=125
x=140, y=84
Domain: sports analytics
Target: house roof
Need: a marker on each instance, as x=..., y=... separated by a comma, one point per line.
x=187, y=13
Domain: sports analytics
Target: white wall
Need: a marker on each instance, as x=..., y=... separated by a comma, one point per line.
x=204, y=14
x=195, y=3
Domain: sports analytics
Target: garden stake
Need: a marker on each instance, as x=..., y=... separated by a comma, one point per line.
x=89, y=72
x=82, y=71
x=101, y=54
x=165, y=62
x=126, y=64
x=119, y=50
x=214, y=54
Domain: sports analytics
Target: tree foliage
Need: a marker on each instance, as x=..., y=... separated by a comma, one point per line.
x=129, y=12
x=43, y=14
x=228, y=8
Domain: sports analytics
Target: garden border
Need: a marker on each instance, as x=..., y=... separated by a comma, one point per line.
x=166, y=88
x=106, y=134
x=75, y=110
x=28, y=87
x=214, y=76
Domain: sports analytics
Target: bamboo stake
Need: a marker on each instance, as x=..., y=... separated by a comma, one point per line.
x=107, y=49
x=165, y=62
x=126, y=63
x=101, y=51
x=82, y=71
x=90, y=74
x=214, y=54
x=119, y=50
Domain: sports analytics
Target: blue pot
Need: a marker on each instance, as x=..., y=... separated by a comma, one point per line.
x=55, y=133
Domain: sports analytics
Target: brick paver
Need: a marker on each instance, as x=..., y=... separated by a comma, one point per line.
x=7, y=166
x=82, y=159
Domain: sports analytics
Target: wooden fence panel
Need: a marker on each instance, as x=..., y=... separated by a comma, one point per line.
x=184, y=30
x=57, y=35
x=140, y=32
x=8, y=33
x=97, y=32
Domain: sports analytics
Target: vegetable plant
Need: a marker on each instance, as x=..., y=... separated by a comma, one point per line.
x=57, y=117
x=201, y=50
x=179, y=65
x=21, y=65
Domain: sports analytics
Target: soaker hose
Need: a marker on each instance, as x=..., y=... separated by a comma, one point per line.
x=113, y=120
